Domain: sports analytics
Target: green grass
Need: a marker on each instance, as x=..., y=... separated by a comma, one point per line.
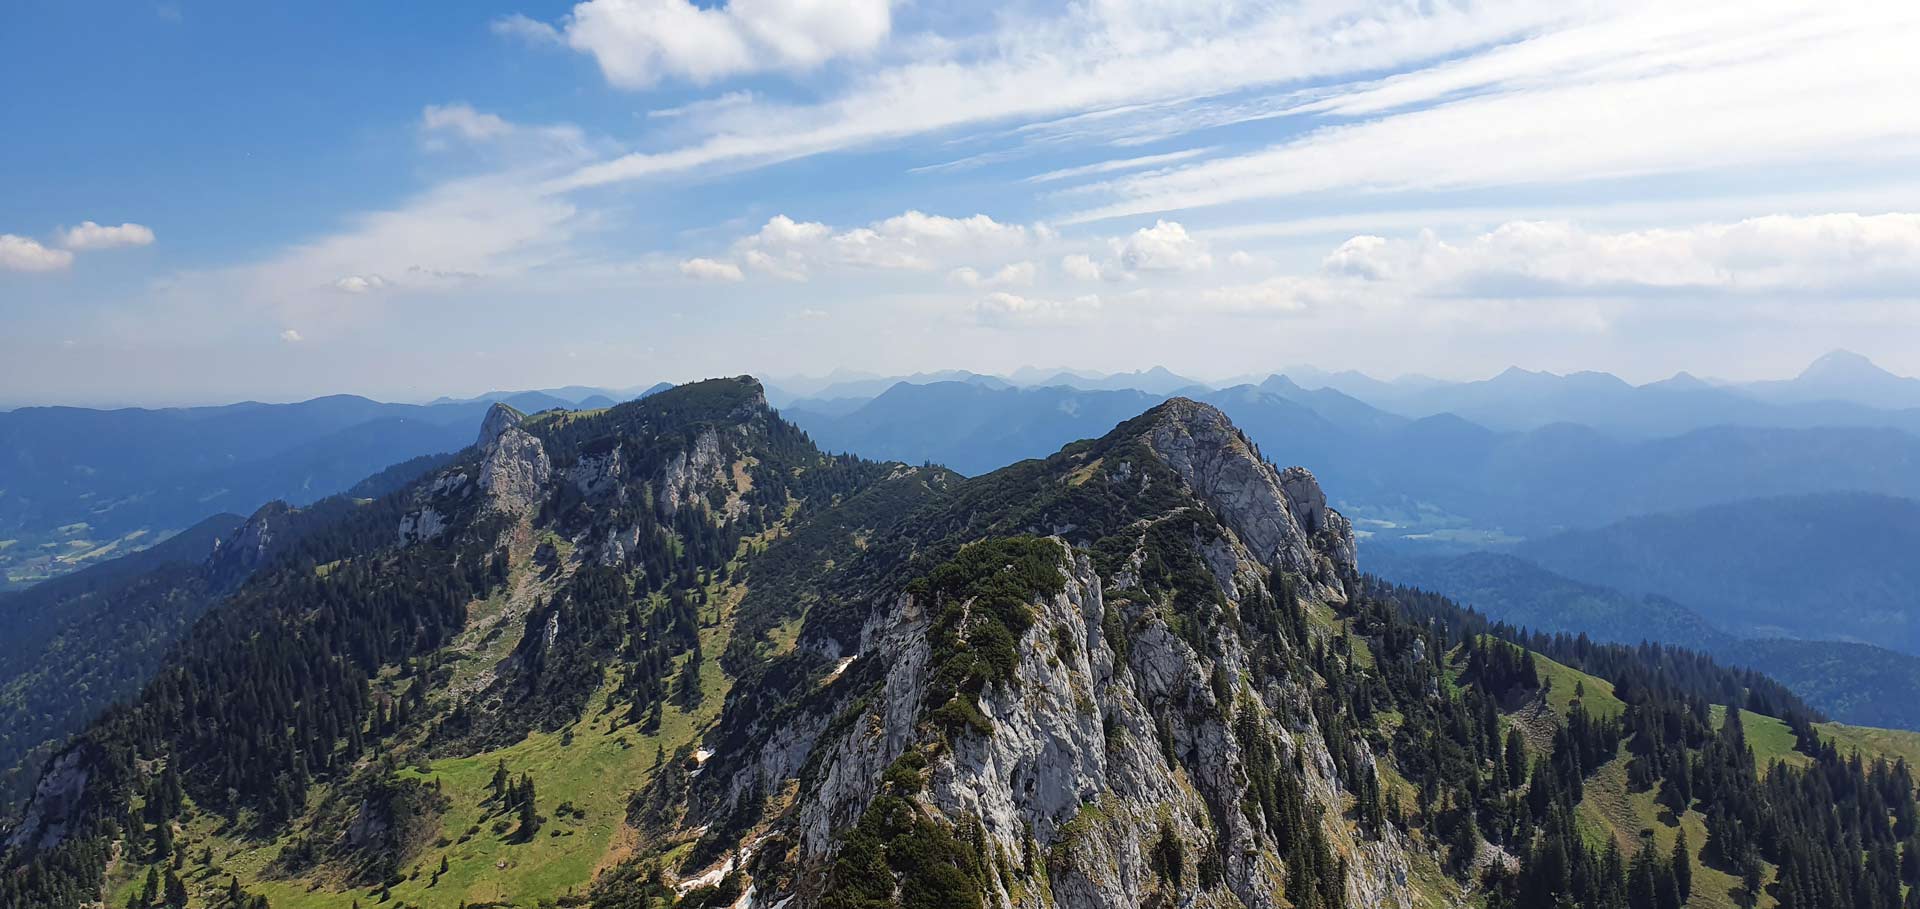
x=1769, y=739
x=596, y=772
x=1612, y=810
x=1566, y=681
x=1889, y=743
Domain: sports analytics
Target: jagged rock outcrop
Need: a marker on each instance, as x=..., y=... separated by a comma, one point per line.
x=55, y=799
x=511, y=478
x=499, y=419
x=1112, y=733
x=249, y=546
x=1277, y=514
x=514, y=468
x=689, y=473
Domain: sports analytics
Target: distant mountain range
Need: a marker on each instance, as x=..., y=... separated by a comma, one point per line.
x=1439, y=478
x=78, y=486
x=1839, y=389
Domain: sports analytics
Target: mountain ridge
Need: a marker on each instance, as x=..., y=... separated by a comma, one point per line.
x=1141, y=669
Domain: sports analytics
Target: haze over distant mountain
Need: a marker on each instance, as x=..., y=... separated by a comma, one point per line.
x=1439, y=477
x=1843, y=376
x=1156, y=380
x=78, y=643
x=1835, y=565
x=1852, y=682
x=79, y=485
x=1840, y=389
x=1519, y=399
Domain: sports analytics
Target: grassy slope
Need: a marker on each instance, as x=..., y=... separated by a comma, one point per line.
x=595, y=772
x=1613, y=810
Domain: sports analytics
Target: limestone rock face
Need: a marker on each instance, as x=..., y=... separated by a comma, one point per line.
x=1277, y=515
x=515, y=468
x=499, y=418
x=691, y=472
x=599, y=472
x=1112, y=733
x=55, y=797
x=1076, y=768
x=424, y=524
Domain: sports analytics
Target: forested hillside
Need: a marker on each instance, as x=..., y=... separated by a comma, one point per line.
x=671, y=654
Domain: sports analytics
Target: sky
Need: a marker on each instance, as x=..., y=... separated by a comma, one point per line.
x=214, y=201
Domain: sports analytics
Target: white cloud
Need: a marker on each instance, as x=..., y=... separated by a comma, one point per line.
x=360, y=284
x=1015, y=274
x=19, y=253
x=1274, y=296
x=1827, y=253
x=912, y=241
x=463, y=121
x=1106, y=59
x=785, y=268
x=1117, y=165
x=1166, y=246
x=89, y=236
x=1082, y=266
x=710, y=270
x=640, y=42
x=1637, y=90
x=527, y=29
x=1003, y=308
x=291, y=336
x=456, y=235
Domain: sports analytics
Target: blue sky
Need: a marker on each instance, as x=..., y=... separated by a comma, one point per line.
x=208, y=201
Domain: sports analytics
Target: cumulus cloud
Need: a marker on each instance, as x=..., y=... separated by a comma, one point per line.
x=19, y=253
x=1082, y=266
x=638, y=43
x=913, y=240
x=1016, y=274
x=1003, y=308
x=360, y=284
x=710, y=270
x=90, y=236
x=1166, y=246
x=291, y=336
x=1276, y=296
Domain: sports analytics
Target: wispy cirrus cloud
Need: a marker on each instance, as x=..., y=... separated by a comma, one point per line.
x=1106, y=57
x=1634, y=95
